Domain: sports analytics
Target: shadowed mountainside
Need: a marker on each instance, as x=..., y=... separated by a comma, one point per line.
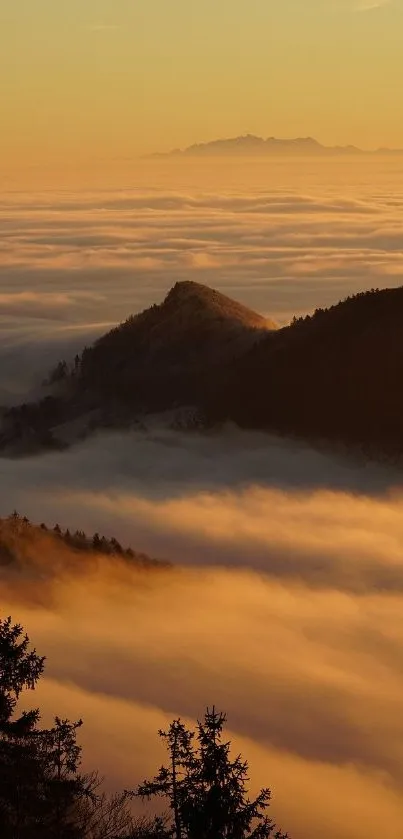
x=334, y=376
x=159, y=360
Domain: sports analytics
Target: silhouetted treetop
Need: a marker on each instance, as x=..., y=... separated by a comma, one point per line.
x=206, y=788
x=17, y=532
x=44, y=794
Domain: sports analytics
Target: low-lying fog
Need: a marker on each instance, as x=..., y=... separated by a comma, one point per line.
x=285, y=606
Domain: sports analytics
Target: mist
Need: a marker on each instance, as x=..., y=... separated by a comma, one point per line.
x=283, y=237
x=283, y=603
x=311, y=681
x=283, y=607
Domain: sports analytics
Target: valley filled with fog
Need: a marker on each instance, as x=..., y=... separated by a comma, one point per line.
x=284, y=602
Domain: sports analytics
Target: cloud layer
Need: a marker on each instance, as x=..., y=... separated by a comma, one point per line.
x=311, y=680
x=285, y=606
x=285, y=609
x=283, y=239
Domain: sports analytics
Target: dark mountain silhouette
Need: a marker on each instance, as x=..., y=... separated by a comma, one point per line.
x=334, y=376
x=250, y=145
x=155, y=361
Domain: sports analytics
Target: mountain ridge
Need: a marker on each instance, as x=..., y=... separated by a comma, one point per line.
x=156, y=361
x=200, y=359
x=331, y=376
x=46, y=553
x=252, y=145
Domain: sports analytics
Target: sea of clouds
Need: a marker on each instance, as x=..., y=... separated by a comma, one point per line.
x=285, y=604
x=281, y=237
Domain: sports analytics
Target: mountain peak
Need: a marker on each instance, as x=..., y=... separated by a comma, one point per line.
x=201, y=301
x=161, y=359
x=332, y=376
x=184, y=289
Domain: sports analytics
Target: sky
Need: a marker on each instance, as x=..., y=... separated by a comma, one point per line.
x=109, y=79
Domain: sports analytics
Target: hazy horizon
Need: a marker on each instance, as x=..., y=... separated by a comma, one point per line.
x=113, y=79
x=284, y=147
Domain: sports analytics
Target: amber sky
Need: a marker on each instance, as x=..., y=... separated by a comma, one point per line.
x=115, y=78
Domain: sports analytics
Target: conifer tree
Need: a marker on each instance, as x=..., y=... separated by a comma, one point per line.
x=96, y=542
x=20, y=668
x=206, y=788
x=43, y=795
x=173, y=782
x=62, y=786
x=40, y=785
x=222, y=808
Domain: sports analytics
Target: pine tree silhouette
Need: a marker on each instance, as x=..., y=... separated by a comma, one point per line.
x=206, y=788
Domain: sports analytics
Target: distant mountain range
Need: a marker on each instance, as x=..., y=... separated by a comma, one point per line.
x=248, y=145
x=200, y=359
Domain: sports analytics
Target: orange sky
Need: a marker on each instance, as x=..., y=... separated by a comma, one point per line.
x=107, y=79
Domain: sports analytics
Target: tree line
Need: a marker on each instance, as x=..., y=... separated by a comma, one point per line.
x=79, y=541
x=44, y=794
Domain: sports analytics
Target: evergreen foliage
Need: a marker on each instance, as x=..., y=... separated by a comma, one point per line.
x=44, y=794
x=206, y=788
x=79, y=541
